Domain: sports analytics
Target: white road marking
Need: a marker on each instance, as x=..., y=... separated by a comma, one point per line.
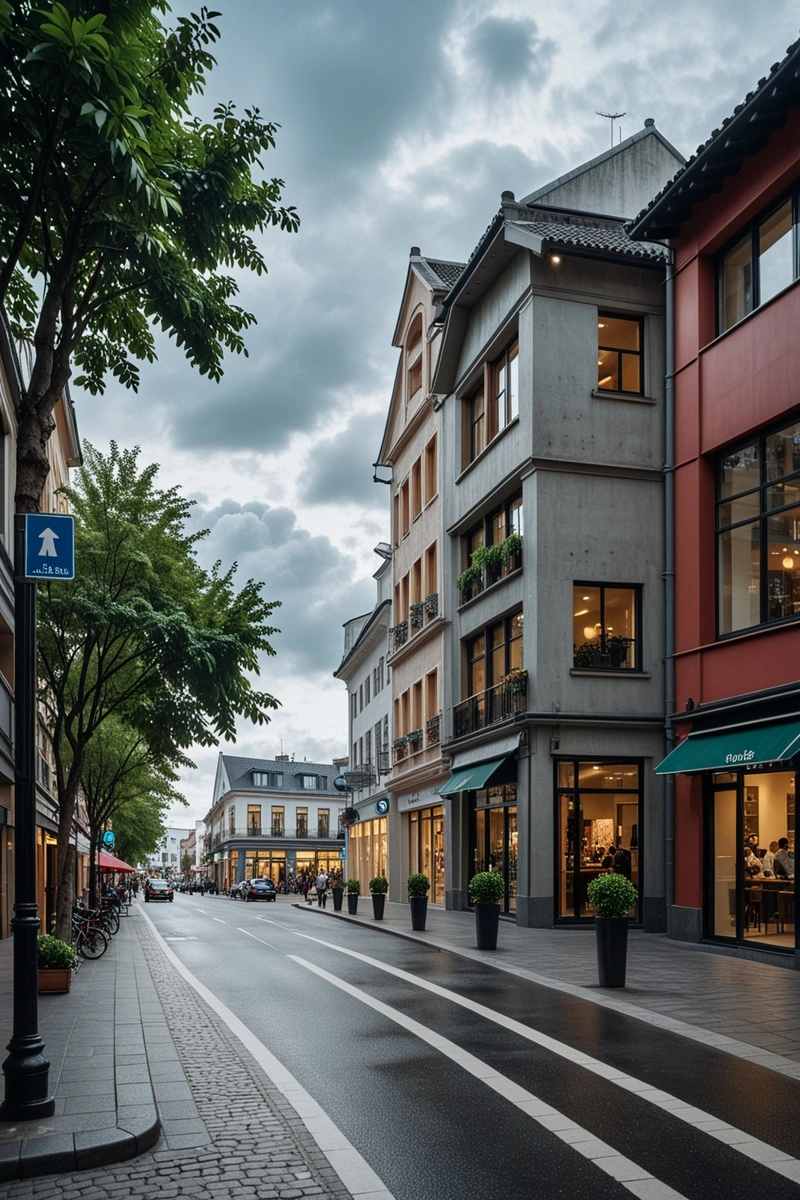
x=220, y=920
x=769, y=1156
x=633, y=1177
x=354, y=1171
x=256, y=939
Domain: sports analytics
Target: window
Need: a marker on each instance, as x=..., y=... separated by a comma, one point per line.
x=431, y=483
x=368, y=748
x=354, y=705
x=277, y=821
x=619, y=354
x=308, y=781
x=490, y=657
x=414, y=357
x=476, y=429
x=758, y=265
x=381, y=668
x=231, y=820
x=260, y=779
x=405, y=511
x=504, y=376
x=416, y=489
x=496, y=556
x=302, y=822
x=758, y=531
x=254, y=820
x=278, y=782
x=605, y=626
x=360, y=697
x=323, y=822
x=366, y=690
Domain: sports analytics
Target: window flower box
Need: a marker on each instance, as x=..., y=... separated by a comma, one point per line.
x=432, y=730
x=417, y=612
x=400, y=633
x=431, y=603
x=415, y=738
x=515, y=682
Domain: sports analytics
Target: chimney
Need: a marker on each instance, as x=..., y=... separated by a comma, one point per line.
x=281, y=758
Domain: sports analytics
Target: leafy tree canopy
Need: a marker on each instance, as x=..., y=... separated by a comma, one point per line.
x=120, y=212
x=143, y=635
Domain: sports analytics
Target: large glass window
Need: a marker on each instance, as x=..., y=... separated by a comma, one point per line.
x=492, y=405
x=277, y=821
x=505, y=389
x=494, y=837
x=598, y=818
x=495, y=679
x=759, y=264
x=254, y=820
x=605, y=626
x=751, y=834
x=492, y=548
x=758, y=531
x=426, y=832
x=619, y=353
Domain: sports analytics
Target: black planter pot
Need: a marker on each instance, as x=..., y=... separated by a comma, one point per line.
x=352, y=903
x=487, y=924
x=338, y=896
x=378, y=902
x=612, y=950
x=419, y=912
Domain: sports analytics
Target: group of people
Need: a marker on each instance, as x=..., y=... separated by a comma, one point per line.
x=777, y=861
x=616, y=858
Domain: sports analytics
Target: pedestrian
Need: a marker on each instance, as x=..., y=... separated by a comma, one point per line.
x=321, y=885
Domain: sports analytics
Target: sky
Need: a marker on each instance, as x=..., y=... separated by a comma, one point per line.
x=401, y=123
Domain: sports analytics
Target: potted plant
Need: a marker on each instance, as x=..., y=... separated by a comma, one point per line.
x=418, y=887
x=56, y=961
x=353, y=888
x=378, y=887
x=486, y=890
x=338, y=895
x=611, y=896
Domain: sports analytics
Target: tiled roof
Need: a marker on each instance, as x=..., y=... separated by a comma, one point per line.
x=240, y=770
x=740, y=135
x=602, y=237
x=439, y=274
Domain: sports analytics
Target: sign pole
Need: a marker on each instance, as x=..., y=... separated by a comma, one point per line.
x=26, y=1070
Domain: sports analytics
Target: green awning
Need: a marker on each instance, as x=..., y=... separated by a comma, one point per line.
x=733, y=749
x=468, y=779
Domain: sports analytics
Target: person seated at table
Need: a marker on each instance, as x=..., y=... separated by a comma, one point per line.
x=608, y=859
x=783, y=862
x=752, y=864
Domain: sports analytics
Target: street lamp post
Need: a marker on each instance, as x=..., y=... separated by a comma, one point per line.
x=26, y=1070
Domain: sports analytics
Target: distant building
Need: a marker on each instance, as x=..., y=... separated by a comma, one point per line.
x=166, y=858
x=273, y=817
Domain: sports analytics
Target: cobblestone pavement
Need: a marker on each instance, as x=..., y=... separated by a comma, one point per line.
x=261, y=1149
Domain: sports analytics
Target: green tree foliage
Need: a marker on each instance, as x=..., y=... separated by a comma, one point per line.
x=143, y=635
x=119, y=770
x=120, y=213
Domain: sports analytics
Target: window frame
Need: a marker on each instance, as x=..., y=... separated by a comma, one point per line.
x=639, y=320
x=761, y=489
x=751, y=231
x=636, y=642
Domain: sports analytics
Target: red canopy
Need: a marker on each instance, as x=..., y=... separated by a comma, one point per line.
x=109, y=863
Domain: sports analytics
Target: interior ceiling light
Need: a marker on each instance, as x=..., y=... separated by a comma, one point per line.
x=787, y=563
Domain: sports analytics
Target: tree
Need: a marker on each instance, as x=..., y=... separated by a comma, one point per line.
x=119, y=212
x=143, y=634
x=119, y=770
x=186, y=865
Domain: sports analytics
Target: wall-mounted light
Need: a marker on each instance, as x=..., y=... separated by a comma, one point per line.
x=555, y=260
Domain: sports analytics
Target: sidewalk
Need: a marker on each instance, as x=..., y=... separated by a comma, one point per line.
x=132, y=1045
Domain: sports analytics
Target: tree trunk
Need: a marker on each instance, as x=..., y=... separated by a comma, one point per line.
x=66, y=856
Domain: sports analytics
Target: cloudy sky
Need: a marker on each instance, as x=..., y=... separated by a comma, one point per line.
x=402, y=121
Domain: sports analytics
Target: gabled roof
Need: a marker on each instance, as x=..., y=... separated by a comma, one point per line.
x=436, y=274
x=744, y=133
x=562, y=232
x=240, y=772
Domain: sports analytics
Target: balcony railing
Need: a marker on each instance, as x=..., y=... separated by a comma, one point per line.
x=433, y=730
x=253, y=830
x=487, y=708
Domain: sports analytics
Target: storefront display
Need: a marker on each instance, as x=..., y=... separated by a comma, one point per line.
x=426, y=848
x=494, y=837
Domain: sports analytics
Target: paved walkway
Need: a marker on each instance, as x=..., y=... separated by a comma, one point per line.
x=146, y=1076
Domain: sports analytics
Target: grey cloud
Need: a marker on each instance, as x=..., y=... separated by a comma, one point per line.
x=510, y=52
x=340, y=468
x=314, y=581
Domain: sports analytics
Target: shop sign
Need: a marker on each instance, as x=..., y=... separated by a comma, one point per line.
x=420, y=799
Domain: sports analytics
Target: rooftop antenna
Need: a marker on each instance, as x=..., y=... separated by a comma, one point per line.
x=612, y=117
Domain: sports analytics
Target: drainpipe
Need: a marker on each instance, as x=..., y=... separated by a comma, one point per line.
x=669, y=585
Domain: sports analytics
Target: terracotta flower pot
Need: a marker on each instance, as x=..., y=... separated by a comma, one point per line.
x=54, y=979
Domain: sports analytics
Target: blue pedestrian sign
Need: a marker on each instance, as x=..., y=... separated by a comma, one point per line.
x=49, y=546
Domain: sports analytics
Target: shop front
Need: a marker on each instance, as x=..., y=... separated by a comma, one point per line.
x=599, y=828
x=367, y=840
x=423, y=821
x=487, y=791
x=748, y=780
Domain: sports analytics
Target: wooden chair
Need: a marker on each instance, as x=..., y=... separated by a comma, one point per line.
x=785, y=910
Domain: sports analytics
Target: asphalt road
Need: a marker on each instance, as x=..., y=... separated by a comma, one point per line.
x=454, y=1080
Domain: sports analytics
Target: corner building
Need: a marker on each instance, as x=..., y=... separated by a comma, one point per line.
x=550, y=375
x=731, y=217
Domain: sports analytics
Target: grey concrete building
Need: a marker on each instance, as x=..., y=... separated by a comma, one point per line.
x=551, y=381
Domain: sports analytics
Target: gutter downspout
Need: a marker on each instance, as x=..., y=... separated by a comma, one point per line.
x=669, y=587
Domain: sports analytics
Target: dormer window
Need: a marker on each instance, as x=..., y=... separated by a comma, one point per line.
x=260, y=779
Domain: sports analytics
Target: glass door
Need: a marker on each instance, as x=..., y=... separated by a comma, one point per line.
x=726, y=920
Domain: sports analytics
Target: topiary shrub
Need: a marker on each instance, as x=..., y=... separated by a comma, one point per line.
x=379, y=886
x=611, y=895
x=487, y=887
x=418, y=885
x=53, y=954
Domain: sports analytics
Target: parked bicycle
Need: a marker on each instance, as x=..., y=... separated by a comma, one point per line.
x=89, y=939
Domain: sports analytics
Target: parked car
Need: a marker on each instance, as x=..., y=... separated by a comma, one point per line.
x=259, y=889
x=235, y=891
x=158, y=889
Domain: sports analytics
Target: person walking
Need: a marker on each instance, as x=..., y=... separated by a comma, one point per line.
x=322, y=889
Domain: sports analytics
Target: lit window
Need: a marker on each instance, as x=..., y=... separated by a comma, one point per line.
x=619, y=353
x=605, y=625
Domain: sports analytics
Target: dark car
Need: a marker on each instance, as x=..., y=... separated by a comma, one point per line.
x=157, y=889
x=259, y=889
